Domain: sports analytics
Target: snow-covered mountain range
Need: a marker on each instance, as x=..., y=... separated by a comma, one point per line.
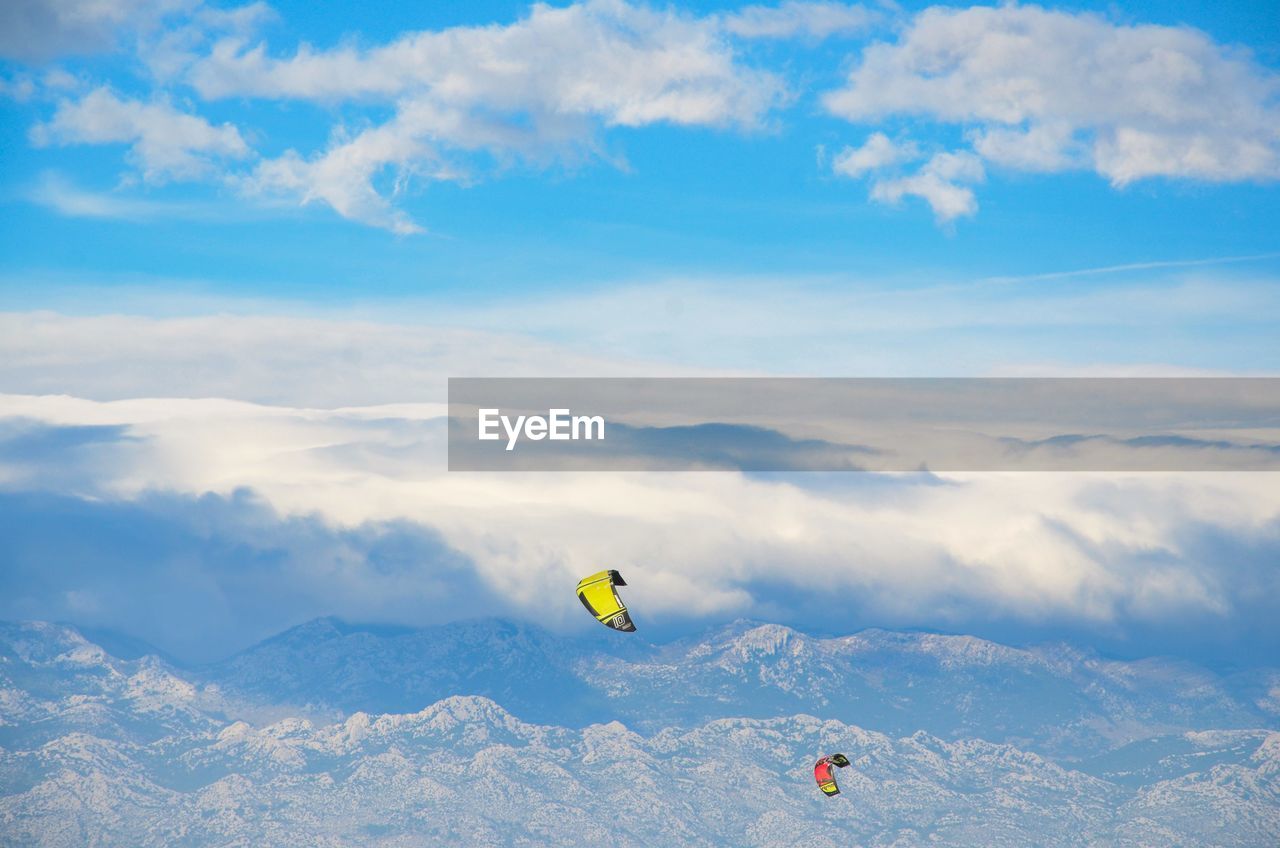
x=496, y=733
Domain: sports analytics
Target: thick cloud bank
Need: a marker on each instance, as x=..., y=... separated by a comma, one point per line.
x=140, y=511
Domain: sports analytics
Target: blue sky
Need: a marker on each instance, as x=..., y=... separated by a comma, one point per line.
x=712, y=193
x=251, y=242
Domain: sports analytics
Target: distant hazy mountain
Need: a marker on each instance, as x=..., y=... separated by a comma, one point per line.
x=327, y=665
x=709, y=741
x=1055, y=700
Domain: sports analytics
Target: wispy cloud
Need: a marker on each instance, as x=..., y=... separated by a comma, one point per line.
x=669, y=327
x=330, y=362
x=54, y=191
x=1138, y=266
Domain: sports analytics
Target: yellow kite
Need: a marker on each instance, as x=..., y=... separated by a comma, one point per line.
x=599, y=596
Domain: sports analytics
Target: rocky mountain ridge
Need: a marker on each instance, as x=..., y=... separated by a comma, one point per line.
x=98, y=749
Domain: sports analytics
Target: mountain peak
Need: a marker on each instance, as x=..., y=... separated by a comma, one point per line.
x=767, y=639
x=42, y=641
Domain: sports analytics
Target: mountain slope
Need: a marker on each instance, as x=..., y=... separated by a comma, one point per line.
x=330, y=665
x=96, y=749
x=464, y=771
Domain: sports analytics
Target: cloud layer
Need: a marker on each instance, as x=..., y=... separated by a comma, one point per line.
x=1138, y=322
x=1116, y=553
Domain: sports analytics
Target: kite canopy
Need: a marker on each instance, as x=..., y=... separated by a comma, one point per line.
x=825, y=774
x=598, y=595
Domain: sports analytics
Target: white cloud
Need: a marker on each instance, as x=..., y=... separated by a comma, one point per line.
x=343, y=176
x=170, y=52
x=1043, y=90
x=164, y=141
x=1132, y=153
x=940, y=183
x=797, y=18
x=1038, y=148
x=878, y=151
x=55, y=191
x=622, y=64
x=539, y=89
